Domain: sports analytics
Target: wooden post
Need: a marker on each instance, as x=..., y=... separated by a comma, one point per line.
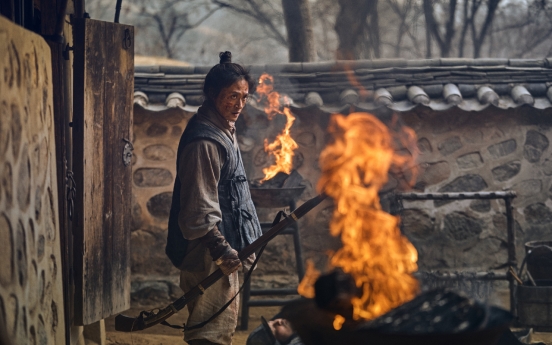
x=512, y=259
x=102, y=125
x=61, y=74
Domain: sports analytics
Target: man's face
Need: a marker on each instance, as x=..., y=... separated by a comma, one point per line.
x=231, y=100
x=281, y=329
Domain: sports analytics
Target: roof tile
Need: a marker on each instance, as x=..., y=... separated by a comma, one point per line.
x=489, y=62
x=526, y=63
x=537, y=89
x=434, y=91
x=398, y=92
x=456, y=61
x=146, y=69
x=202, y=69
x=177, y=69
x=325, y=66
x=353, y=80
x=384, y=63
x=284, y=67
x=423, y=62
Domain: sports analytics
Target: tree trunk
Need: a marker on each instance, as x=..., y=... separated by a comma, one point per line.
x=299, y=29
x=444, y=41
x=350, y=26
x=374, y=29
x=478, y=40
x=465, y=26
x=428, y=41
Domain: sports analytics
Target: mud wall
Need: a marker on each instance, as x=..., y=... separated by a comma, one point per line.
x=31, y=299
x=490, y=150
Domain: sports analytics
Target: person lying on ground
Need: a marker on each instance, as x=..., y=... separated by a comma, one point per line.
x=277, y=331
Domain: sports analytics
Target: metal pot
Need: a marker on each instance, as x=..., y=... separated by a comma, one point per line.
x=539, y=259
x=275, y=197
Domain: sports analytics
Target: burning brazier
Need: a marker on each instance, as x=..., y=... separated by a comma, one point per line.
x=434, y=317
x=282, y=190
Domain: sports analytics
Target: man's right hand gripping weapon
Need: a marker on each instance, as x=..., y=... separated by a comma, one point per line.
x=223, y=255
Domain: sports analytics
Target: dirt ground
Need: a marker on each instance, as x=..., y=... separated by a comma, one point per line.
x=162, y=335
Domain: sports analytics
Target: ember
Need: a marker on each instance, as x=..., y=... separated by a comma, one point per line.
x=283, y=146
x=280, y=180
x=375, y=253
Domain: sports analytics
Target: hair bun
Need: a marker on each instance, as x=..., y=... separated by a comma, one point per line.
x=225, y=57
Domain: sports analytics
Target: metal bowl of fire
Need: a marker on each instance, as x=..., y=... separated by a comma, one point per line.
x=434, y=317
x=282, y=190
x=275, y=197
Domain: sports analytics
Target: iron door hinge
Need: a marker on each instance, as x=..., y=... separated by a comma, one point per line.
x=127, y=152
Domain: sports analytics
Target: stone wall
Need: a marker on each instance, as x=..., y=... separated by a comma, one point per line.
x=31, y=298
x=489, y=150
x=156, y=137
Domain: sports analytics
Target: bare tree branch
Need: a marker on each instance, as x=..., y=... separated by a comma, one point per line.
x=172, y=23
x=258, y=15
x=403, y=10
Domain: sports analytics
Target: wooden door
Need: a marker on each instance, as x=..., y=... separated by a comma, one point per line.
x=102, y=130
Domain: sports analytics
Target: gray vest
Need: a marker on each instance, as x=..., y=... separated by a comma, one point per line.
x=240, y=225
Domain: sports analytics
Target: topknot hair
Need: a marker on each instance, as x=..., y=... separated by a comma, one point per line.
x=225, y=57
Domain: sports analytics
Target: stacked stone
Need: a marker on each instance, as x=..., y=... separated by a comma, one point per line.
x=463, y=152
x=156, y=137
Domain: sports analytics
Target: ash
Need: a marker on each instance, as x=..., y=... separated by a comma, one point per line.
x=436, y=311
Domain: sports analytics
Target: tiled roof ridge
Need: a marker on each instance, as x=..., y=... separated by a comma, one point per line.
x=356, y=65
x=470, y=84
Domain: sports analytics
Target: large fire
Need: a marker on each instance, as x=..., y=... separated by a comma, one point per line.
x=381, y=260
x=283, y=146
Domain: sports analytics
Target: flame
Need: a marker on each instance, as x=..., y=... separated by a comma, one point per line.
x=306, y=287
x=375, y=253
x=338, y=322
x=283, y=146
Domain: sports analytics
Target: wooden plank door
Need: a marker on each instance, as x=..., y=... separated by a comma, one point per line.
x=102, y=125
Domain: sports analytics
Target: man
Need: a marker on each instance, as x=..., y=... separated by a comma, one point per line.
x=277, y=331
x=212, y=216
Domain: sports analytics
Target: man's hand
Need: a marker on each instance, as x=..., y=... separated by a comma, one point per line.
x=229, y=262
x=223, y=255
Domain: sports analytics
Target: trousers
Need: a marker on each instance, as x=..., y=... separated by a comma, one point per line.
x=222, y=328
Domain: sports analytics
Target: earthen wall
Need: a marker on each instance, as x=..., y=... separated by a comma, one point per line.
x=31, y=292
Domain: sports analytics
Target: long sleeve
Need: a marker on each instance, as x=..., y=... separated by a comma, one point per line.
x=199, y=173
